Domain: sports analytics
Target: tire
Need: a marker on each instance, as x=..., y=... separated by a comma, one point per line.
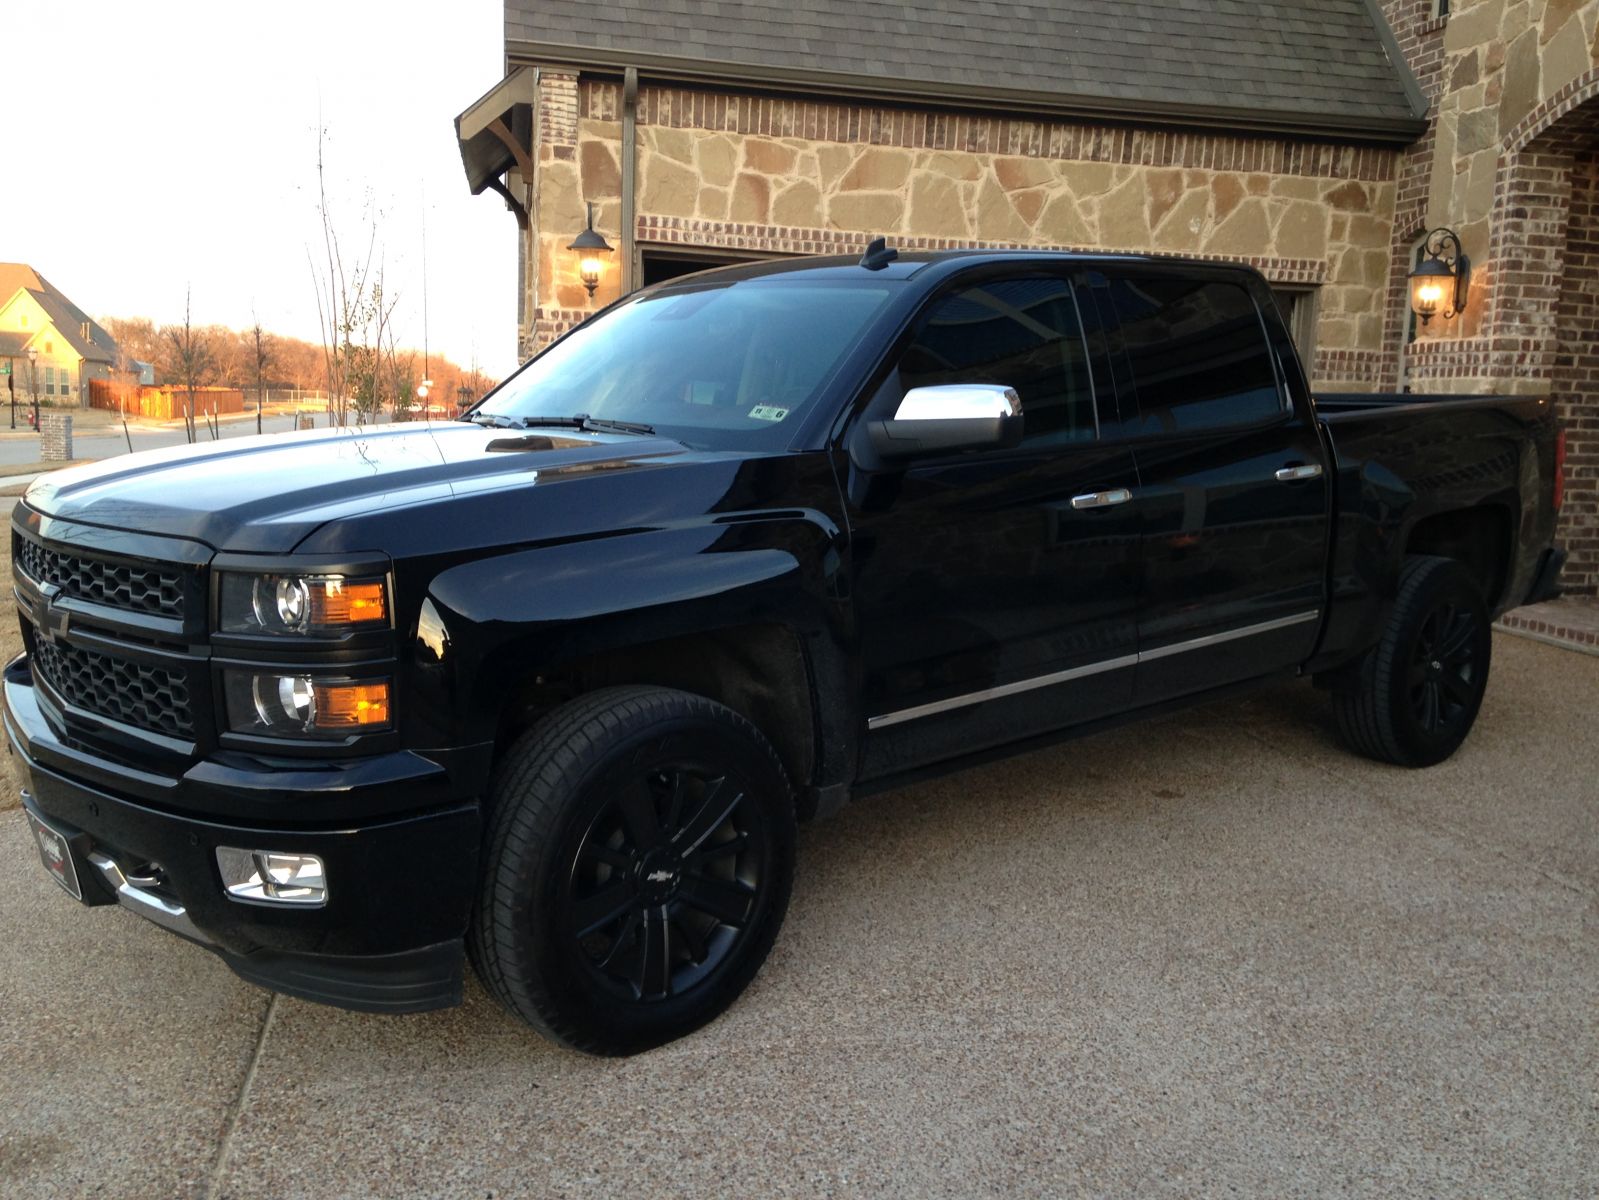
x=1416, y=694
x=638, y=860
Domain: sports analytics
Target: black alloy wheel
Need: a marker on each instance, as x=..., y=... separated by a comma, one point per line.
x=665, y=879
x=1414, y=696
x=1442, y=681
x=639, y=850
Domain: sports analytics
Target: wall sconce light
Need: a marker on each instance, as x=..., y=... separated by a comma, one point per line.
x=1442, y=282
x=593, y=248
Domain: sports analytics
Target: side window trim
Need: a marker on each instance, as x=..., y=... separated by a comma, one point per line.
x=1129, y=406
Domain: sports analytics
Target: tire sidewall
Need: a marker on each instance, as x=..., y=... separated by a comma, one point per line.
x=546, y=960
x=1441, y=581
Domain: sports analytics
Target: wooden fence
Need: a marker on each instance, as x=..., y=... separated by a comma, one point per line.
x=165, y=403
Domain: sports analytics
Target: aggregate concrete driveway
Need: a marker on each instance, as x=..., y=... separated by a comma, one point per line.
x=1213, y=955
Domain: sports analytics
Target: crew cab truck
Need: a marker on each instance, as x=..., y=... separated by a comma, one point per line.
x=548, y=687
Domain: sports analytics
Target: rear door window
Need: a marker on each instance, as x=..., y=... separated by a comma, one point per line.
x=1197, y=353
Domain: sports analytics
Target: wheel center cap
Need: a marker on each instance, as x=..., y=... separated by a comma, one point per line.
x=659, y=874
x=1436, y=665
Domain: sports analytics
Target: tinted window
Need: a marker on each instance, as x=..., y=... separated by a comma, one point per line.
x=724, y=365
x=1198, y=354
x=1022, y=333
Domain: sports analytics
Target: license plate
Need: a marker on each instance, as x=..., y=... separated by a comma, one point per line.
x=56, y=856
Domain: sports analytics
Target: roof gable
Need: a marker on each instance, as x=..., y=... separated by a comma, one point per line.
x=70, y=321
x=1264, y=63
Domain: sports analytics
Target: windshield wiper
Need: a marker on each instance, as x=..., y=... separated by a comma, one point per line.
x=601, y=425
x=582, y=421
x=587, y=424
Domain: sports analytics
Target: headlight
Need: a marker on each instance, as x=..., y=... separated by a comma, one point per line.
x=303, y=605
x=304, y=706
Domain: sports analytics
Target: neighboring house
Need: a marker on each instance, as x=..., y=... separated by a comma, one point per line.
x=72, y=348
x=1317, y=142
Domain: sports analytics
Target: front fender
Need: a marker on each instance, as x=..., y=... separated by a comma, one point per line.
x=500, y=621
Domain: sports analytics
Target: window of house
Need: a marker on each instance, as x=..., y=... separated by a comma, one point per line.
x=1198, y=354
x=49, y=381
x=1021, y=333
x=1440, y=8
x=49, y=346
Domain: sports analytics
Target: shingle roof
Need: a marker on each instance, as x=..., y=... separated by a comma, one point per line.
x=1322, y=67
x=67, y=317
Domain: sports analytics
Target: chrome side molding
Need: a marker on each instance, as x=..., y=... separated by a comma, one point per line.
x=1109, y=664
x=995, y=693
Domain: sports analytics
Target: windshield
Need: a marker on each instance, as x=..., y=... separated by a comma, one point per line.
x=723, y=366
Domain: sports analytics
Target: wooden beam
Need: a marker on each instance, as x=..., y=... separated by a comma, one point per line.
x=511, y=202
x=518, y=151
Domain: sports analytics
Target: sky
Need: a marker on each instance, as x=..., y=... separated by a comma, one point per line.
x=172, y=144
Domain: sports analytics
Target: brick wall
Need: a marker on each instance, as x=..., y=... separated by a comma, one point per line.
x=1420, y=35
x=1576, y=378
x=55, y=436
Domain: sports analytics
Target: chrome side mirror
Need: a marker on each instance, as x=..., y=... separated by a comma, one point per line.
x=950, y=418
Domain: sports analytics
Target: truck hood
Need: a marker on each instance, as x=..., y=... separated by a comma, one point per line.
x=266, y=494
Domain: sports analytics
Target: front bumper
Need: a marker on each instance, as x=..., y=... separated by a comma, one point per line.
x=400, y=888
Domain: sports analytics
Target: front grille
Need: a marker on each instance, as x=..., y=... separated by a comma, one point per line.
x=123, y=585
x=147, y=697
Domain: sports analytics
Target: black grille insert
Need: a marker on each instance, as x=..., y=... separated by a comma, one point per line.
x=147, y=697
x=123, y=585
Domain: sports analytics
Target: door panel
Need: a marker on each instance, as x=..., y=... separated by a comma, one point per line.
x=979, y=576
x=1234, y=506
x=991, y=608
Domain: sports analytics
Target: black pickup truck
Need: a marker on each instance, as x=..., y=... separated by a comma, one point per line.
x=550, y=685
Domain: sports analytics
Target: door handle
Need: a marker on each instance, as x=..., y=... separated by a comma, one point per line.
x=1102, y=499
x=1295, y=474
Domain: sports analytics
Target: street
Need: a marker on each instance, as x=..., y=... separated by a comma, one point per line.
x=107, y=441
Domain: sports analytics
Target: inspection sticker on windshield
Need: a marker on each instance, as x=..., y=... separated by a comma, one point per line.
x=768, y=412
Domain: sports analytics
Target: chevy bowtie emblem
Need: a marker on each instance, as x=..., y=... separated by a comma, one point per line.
x=53, y=622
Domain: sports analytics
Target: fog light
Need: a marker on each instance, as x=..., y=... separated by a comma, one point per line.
x=269, y=877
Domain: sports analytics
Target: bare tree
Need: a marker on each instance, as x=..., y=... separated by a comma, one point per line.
x=353, y=309
x=192, y=361
x=264, y=353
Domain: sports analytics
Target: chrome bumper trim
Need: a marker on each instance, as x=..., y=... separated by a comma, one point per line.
x=165, y=913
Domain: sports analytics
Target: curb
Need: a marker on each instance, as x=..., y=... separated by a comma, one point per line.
x=1570, y=630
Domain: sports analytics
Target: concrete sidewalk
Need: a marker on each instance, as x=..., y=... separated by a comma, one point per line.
x=1212, y=955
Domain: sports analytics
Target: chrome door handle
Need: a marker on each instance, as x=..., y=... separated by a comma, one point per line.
x=1294, y=474
x=1102, y=499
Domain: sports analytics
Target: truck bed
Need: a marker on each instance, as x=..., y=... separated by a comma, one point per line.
x=1338, y=407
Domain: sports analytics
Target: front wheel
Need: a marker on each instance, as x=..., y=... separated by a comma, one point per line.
x=640, y=851
x=1416, y=695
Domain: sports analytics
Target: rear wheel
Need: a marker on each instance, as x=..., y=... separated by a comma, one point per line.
x=1416, y=696
x=640, y=851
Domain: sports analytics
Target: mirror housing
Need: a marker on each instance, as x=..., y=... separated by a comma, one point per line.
x=949, y=418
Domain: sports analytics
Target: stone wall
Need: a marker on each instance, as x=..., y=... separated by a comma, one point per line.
x=1521, y=83
x=785, y=176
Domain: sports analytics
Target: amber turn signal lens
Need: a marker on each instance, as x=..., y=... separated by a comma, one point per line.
x=337, y=601
x=351, y=706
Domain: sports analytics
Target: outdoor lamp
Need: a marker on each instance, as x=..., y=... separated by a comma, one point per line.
x=1442, y=282
x=593, y=248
